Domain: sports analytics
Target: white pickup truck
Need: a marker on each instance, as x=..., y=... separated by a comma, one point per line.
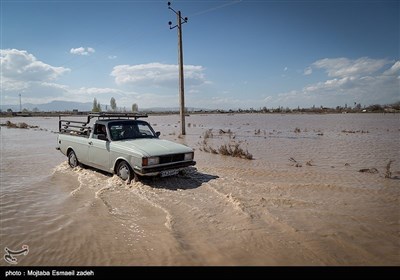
x=121, y=144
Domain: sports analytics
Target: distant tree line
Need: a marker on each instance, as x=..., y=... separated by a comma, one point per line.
x=113, y=105
x=375, y=108
x=357, y=108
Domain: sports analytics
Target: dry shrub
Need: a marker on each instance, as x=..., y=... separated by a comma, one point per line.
x=388, y=173
x=23, y=125
x=208, y=134
x=234, y=150
x=213, y=151
x=295, y=162
x=369, y=170
x=19, y=125
x=355, y=131
x=11, y=125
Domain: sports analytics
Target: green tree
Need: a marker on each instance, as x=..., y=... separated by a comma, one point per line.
x=113, y=104
x=96, y=106
x=135, y=108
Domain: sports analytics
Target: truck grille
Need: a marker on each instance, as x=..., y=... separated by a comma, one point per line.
x=172, y=158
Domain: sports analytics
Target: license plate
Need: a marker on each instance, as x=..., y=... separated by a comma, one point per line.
x=167, y=173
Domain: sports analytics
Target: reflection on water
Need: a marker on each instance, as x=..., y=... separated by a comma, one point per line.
x=300, y=201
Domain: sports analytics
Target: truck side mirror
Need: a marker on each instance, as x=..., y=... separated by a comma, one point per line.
x=158, y=134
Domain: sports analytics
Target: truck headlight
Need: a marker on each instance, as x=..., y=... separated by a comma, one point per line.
x=189, y=156
x=150, y=161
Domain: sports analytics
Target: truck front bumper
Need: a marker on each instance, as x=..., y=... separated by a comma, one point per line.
x=163, y=170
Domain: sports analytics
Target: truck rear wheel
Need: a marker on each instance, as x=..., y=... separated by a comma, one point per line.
x=125, y=172
x=72, y=159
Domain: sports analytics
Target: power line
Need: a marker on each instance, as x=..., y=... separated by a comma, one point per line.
x=216, y=8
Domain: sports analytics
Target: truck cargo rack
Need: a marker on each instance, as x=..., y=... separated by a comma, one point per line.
x=74, y=127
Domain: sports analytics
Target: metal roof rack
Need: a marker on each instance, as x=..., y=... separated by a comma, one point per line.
x=108, y=115
x=79, y=127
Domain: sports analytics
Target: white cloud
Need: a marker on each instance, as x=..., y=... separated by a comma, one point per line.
x=156, y=74
x=22, y=73
x=20, y=66
x=308, y=71
x=37, y=92
x=103, y=95
x=363, y=81
x=112, y=57
x=268, y=99
x=82, y=51
x=97, y=91
x=394, y=70
x=147, y=100
x=342, y=67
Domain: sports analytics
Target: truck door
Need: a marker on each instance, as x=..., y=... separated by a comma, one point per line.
x=99, y=148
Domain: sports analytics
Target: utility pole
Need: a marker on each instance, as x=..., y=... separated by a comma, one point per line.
x=20, y=103
x=180, y=60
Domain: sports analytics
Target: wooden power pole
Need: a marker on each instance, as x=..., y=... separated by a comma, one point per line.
x=180, y=60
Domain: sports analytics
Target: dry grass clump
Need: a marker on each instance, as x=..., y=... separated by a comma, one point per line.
x=388, y=173
x=309, y=163
x=295, y=162
x=369, y=170
x=208, y=134
x=355, y=131
x=234, y=150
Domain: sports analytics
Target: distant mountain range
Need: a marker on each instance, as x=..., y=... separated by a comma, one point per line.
x=52, y=106
x=81, y=107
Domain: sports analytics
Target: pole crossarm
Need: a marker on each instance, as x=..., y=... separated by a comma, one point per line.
x=183, y=20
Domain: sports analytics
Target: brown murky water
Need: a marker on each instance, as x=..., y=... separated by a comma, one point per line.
x=300, y=201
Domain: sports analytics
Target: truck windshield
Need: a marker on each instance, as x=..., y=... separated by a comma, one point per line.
x=131, y=130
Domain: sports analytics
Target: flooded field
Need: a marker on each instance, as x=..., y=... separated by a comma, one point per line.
x=300, y=200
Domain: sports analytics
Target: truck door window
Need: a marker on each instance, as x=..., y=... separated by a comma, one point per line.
x=100, y=129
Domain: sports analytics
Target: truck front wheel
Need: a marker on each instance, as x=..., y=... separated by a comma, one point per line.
x=125, y=172
x=72, y=159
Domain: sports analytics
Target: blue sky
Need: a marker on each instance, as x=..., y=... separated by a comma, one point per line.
x=237, y=54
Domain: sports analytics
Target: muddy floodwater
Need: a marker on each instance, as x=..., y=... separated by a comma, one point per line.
x=301, y=200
